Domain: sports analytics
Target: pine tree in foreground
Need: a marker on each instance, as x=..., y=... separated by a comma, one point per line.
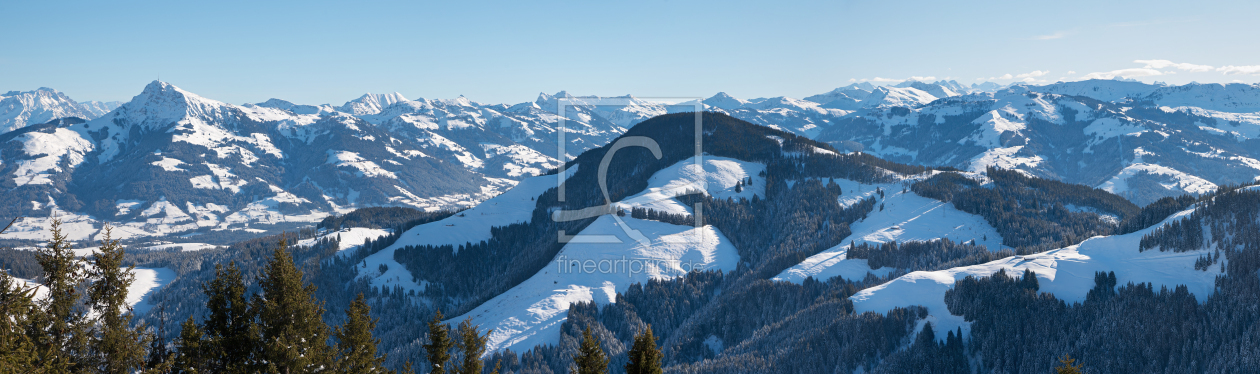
x=230, y=333
x=294, y=335
x=645, y=357
x=471, y=345
x=60, y=334
x=590, y=358
x=355, y=344
x=116, y=347
x=17, y=311
x=439, y=346
x=191, y=350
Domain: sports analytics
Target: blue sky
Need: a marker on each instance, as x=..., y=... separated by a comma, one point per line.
x=507, y=52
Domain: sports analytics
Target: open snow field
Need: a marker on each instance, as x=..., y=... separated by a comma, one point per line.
x=1068, y=273
x=905, y=217
x=532, y=312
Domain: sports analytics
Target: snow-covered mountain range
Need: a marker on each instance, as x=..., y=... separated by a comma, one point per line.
x=1143, y=141
x=171, y=162
x=18, y=109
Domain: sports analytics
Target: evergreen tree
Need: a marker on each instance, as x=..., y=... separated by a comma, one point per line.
x=192, y=354
x=590, y=358
x=472, y=345
x=355, y=343
x=229, y=327
x=645, y=357
x=17, y=311
x=294, y=336
x=159, y=357
x=1068, y=365
x=116, y=347
x=61, y=334
x=439, y=345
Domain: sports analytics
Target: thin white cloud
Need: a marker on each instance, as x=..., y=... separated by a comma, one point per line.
x=1028, y=77
x=922, y=79
x=1161, y=64
x=1056, y=35
x=1070, y=72
x=1032, y=74
x=1247, y=69
x=1125, y=73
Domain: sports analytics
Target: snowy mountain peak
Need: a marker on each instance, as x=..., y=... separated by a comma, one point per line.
x=371, y=103
x=725, y=101
x=162, y=104
x=852, y=92
x=896, y=96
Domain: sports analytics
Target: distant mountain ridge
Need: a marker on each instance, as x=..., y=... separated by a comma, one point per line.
x=19, y=109
x=172, y=162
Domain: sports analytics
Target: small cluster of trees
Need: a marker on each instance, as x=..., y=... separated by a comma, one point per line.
x=924, y=255
x=461, y=353
x=82, y=324
x=1031, y=214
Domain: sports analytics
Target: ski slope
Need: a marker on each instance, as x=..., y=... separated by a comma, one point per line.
x=906, y=217
x=1068, y=273
x=531, y=313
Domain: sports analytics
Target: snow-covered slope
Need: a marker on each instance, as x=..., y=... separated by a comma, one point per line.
x=1233, y=97
x=146, y=282
x=719, y=177
x=897, y=97
x=1179, y=181
x=531, y=313
x=1099, y=89
x=469, y=226
x=905, y=217
x=347, y=239
x=1068, y=273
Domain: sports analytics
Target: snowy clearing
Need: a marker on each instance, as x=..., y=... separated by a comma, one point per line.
x=718, y=178
x=532, y=312
x=1068, y=273
x=905, y=217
